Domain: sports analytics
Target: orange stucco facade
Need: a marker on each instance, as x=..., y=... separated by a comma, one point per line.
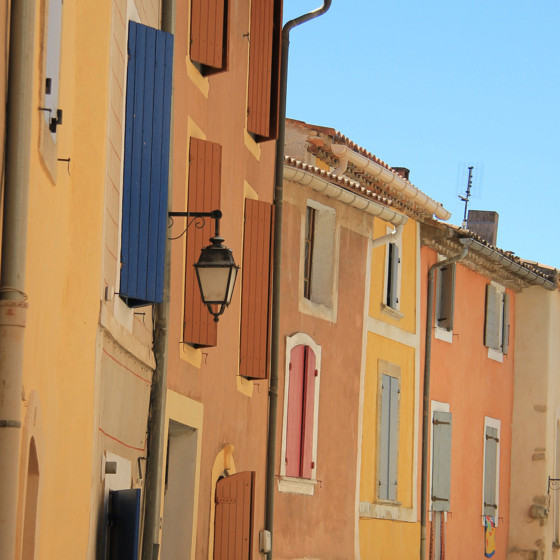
x=232, y=431
x=474, y=387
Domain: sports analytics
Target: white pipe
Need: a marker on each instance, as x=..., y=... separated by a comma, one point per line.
x=332, y=190
x=391, y=237
x=391, y=178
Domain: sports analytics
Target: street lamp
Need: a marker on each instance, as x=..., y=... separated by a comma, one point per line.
x=216, y=270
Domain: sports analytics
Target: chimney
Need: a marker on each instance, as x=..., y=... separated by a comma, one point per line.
x=403, y=172
x=484, y=223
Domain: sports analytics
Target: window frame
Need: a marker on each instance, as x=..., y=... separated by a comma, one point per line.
x=392, y=371
x=496, y=424
x=320, y=306
x=497, y=353
x=389, y=274
x=286, y=483
x=445, y=283
x=48, y=143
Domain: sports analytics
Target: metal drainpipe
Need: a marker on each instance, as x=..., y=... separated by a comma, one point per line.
x=13, y=308
x=277, y=258
x=158, y=395
x=426, y=400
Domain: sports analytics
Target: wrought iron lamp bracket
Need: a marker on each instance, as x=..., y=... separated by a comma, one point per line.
x=198, y=220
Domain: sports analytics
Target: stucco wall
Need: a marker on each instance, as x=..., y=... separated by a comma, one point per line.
x=535, y=415
x=475, y=387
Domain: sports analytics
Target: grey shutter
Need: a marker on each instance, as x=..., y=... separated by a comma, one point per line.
x=383, y=477
x=492, y=325
x=446, y=294
x=490, y=465
x=441, y=461
x=393, y=438
x=393, y=275
x=505, y=328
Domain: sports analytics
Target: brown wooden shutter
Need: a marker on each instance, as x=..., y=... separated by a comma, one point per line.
x=255, y=291
x=264, y=67
x=199, y=328
x=233, y=527
x=209, y=42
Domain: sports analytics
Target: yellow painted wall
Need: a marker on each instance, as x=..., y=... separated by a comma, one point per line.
x=389, y=540
x=408, y=277
x=380, y=348
x=63, y=278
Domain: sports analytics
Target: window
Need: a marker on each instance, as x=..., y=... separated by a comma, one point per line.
x=50, y=87
x=209, y=35
x=393, y=276
x=319, y=253
x=496, y=330
x=146, y=164
x=264, y=68
x=255, y=290
x=441, y=460
x=445, y=293
x=301, y=413
x=491, y=471
x=389, y=434
x=205, y=176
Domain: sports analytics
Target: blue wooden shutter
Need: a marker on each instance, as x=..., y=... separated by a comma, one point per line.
x=441, y=461
x=505, y=326
x=383, y=477
x=146, y=164
x=490, y=464
x=393, y=438
x=492, y=324
x=393, y=276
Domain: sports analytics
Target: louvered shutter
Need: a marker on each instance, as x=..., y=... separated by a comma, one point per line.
x=146, y=165
x=393, y=438
x=209, y=34
x=393, y=275
x=441, y=461
x=492, y=325
x=264, y=66
x=383, y=478
x=233, y=525
x=505, y=327
x=446, y=293
x=255, y=290
x=490, y=465
x=199, y=328
x=307, y=459
x=295, y=411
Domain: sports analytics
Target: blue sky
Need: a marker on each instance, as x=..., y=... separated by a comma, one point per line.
x=436, y=86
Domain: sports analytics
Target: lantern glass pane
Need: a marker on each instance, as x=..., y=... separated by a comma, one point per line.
x=213, y=284
x=231, y=284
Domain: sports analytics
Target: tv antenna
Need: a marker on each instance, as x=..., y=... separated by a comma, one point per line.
x=467, y=196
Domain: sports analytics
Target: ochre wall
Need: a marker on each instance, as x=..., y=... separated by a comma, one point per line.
x=388, y=540
x=474, y=386
x=64, y=248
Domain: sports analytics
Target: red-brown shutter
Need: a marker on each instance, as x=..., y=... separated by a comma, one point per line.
x=308, y=414
x=209, y=23
x=295, y=411
x=264, y=67
x=233, y=528
x=205, y=158
x=255, y=290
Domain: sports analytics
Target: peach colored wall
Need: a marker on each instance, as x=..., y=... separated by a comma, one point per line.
x=474, y=386
x=215, y=108
x=304, y=525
